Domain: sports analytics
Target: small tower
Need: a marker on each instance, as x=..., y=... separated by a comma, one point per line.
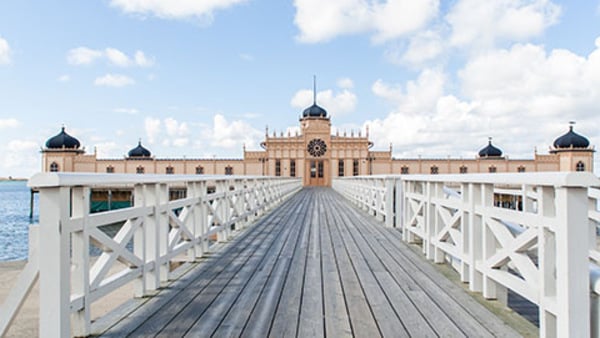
x=574, y=151
x=60, y=151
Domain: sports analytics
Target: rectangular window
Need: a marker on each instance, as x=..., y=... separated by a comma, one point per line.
x=521, y=169
x=341, y=168
x=492, y=169
x=313, y=169
x=293, y=168
x=139, y=170
x=199, y=170
x=228, y=170
x=110, y=169
x=320, y=169
x=434, y=170
x=277, y=167
x=404, y=170
x=169, y=170
x=355, y=170
x=463, y=169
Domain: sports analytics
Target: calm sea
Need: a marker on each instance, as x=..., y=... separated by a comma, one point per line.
x=14, y=219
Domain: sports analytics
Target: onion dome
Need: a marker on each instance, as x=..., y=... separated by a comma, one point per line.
x=571, y=140
x=62, y=141
x=139, y=151
x=490, y=150
x=314, y=111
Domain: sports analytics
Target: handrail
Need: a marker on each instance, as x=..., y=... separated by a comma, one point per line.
x=535, y=250
x=160, y=230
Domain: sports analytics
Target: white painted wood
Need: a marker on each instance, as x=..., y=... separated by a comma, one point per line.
x=158, y=232
x=550, y=245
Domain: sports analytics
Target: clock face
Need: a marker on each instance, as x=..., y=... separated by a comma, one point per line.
x=317, y=147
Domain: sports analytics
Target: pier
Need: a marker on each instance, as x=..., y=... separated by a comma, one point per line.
x=258, y=256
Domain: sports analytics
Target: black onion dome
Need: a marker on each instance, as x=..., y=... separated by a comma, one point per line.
x=63, y=141
x=490, y=151
x=571, y=139
x=139, y=151
x=314, y=111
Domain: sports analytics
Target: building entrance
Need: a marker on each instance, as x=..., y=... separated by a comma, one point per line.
x=316, y=173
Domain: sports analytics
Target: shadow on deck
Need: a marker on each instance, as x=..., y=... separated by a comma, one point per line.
x=314, y=266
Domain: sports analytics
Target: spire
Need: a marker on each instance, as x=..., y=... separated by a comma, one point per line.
x=314, y=89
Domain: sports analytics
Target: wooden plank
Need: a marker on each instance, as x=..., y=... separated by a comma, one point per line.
x=285, y=322
x=245, y=282
x=234, y=322
x=164, y=315
x=311, y=322
x=188, y=316
x=362, y=320
x=337, y=320
x=386, y=317
x=471, y=317
x=410, y=302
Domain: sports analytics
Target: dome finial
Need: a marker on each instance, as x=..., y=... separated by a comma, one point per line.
x=571, y=125
x=489, y=140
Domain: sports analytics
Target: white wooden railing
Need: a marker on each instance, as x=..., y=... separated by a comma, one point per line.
x=159, y=229
x=546, y=252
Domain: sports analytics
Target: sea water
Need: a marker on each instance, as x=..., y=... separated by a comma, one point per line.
x=14, y=219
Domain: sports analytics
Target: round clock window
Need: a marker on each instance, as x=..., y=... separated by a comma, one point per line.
x=317, y=147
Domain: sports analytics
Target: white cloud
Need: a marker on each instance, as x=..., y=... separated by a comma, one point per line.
x=83, y=56
x=320, y=21
x=64, y=78
x=345, y=83
x=9, y=123
x=141, y=59
x=522, y=96
x=114, y=80
x=20, y=156
x=337, y=104
x=152, y=128
x=232, y=135
x=481, y=23
x=130, y=111
x=5, y=52
x=116, y=57
x=174, y=9
x=86, y=56
x=422, y=48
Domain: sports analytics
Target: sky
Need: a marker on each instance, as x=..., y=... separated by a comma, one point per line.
x=203, y=78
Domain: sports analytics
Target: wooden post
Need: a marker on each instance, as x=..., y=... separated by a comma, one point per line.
x=55, y=267
x=572, y=289
x=80, y=249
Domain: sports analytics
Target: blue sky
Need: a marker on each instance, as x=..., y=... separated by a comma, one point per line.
x=202, y=78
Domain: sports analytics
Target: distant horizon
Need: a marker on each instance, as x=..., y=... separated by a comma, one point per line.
x=433, y=78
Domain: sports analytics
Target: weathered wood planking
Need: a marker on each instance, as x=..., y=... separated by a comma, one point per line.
x=315, y=266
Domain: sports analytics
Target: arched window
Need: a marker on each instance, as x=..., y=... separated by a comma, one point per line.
x=463, y=169
x=169, y=170
x=54, y=167
x=434, y=170
x=199, y=170
x=580, y=166
x=110, y=169
x=404, y=170
x=521, y=169
x=228, y=170
x=139, y=170
x=492, y=169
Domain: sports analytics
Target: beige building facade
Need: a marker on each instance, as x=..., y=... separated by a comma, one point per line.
x=317, y=156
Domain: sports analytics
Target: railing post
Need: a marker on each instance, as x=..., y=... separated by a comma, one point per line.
x=55, y=267
x=572, y=281
x=389, y=202
x=80, y=252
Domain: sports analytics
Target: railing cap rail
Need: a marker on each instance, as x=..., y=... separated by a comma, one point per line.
x=558, y=179
x=69, y=179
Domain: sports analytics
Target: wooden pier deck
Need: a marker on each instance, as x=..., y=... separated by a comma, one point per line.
x=314, y=266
